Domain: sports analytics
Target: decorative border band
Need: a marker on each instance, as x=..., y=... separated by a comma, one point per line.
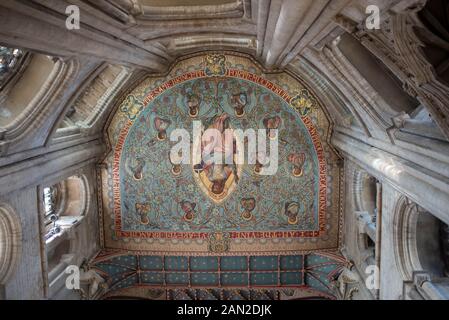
x=232, y=73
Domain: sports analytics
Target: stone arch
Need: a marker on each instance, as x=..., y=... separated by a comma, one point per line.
x=417, y=240
x=75, y=200
x=404, y=237
x=10, y=242
x=78, y=198
x=357, y=177
x=363, y=191
x=73, y=196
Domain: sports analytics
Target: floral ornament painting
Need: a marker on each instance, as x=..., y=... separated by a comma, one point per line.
x=218, y=242
x=215, y=65
x=303, y=102
x=131, y=107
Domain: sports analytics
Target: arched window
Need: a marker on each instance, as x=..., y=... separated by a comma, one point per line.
x=9, y=61
x=422, y=251
x=23, y=79
x=429, y=242
x=64, y=205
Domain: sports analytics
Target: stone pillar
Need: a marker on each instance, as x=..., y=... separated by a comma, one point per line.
x=27, y=280
x=378, y=250
x=391, y=280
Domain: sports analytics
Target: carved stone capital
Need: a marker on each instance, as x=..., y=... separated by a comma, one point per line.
x=419, y=278
x=347, y=24
x=399, y=120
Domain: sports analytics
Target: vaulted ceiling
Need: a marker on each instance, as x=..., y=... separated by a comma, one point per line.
x=314, y=40
x=150, y=34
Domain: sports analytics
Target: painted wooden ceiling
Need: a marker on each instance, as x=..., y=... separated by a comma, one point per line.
x=197, y=278
x=157, y=213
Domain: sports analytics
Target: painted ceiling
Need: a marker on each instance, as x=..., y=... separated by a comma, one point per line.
x=197, y=278
x=151, y=205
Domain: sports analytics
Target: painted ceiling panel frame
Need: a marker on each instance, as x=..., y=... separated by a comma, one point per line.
x=249, y=290
x=117, y=282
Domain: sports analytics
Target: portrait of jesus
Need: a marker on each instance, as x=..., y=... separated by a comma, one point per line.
x=218, y=147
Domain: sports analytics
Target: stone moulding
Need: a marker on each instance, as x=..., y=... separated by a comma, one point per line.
x=38, y=109
x=227, y=10
x=398, y=46
x=10, y=242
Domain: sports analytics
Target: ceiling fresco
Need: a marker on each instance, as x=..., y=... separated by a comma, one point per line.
x=152, y=205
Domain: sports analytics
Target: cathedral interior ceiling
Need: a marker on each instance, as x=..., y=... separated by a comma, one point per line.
x=351, y=114
x=153, y=208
